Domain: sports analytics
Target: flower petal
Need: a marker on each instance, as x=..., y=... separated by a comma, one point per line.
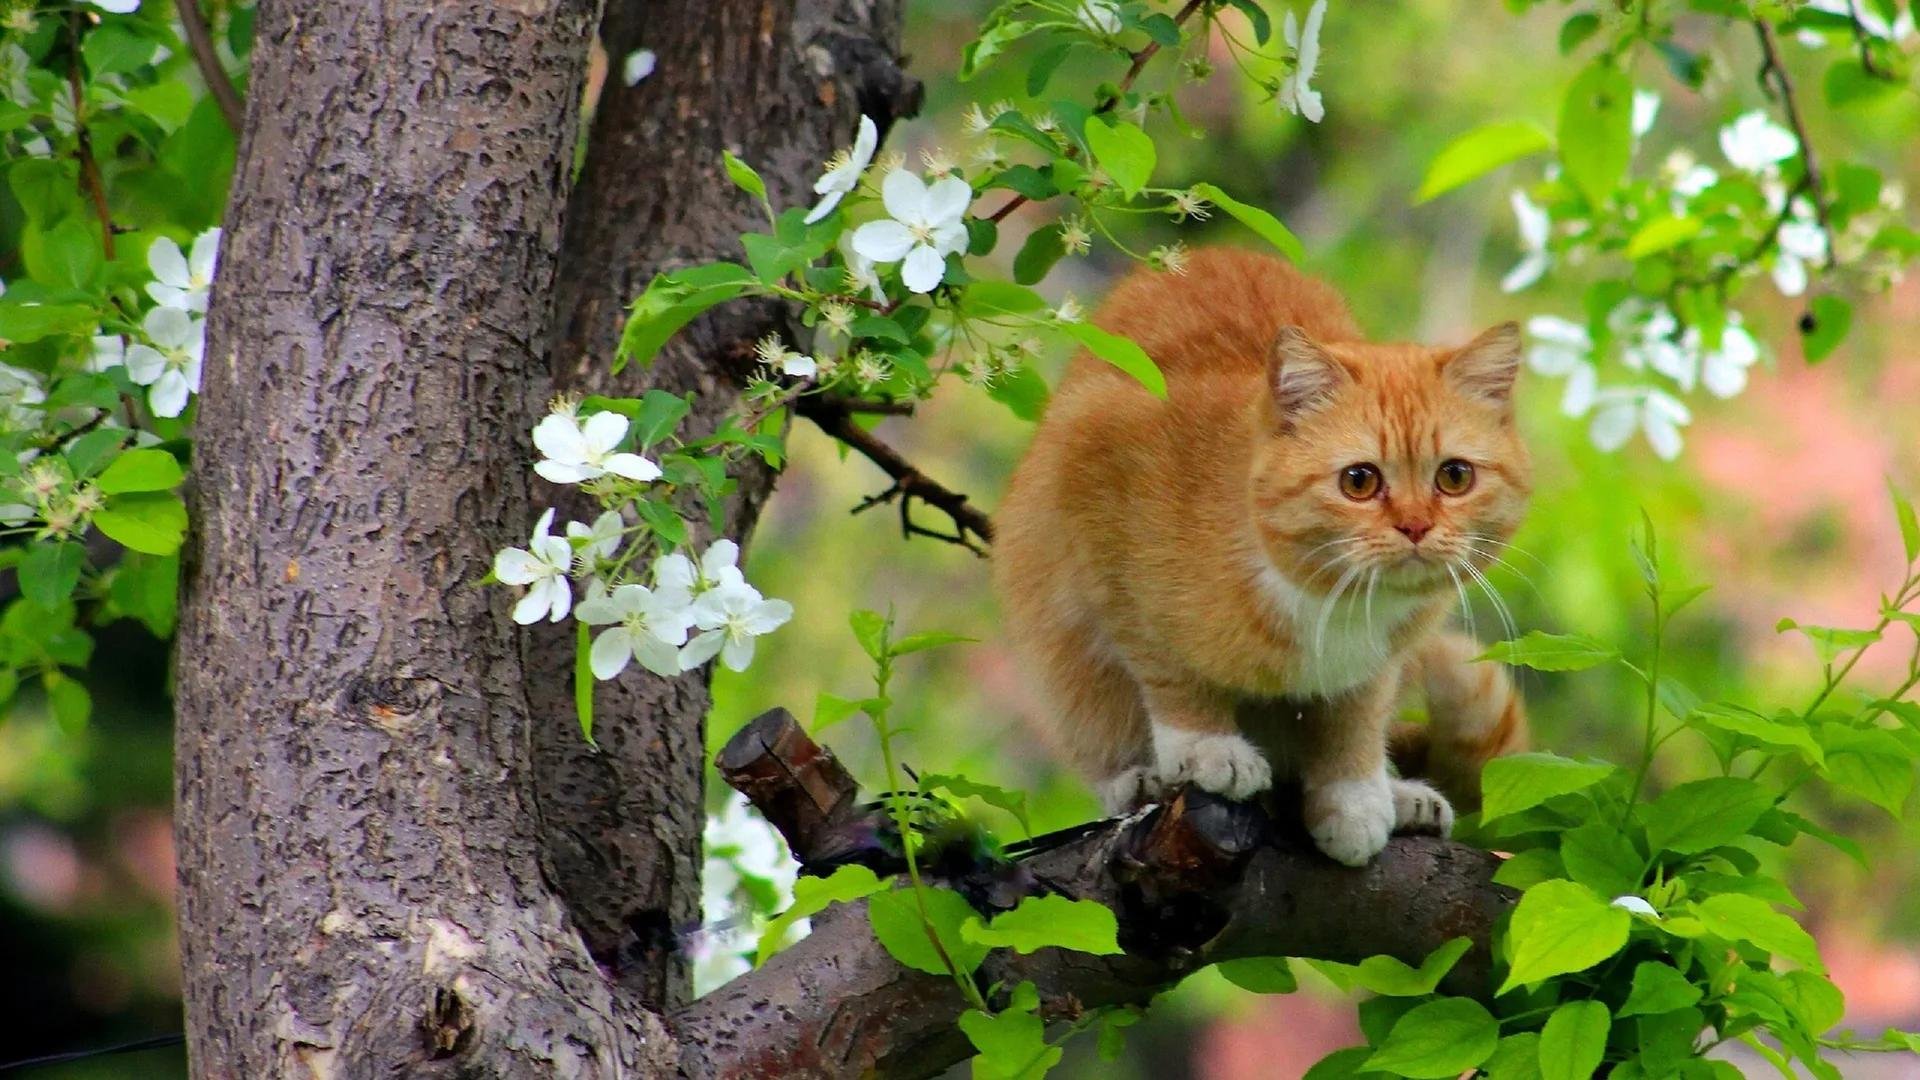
x=610, y=652
x=1613, y=424
x=559, y=594
x=517, y=566
x=603, y=431
x=632, y=466
x=531, y=607
x=905, y=196
x=168, y=397
x=674, y=572
x=947, y=200
x=720, y=555
x=883, y=241
x=737, y=653
x=768, y=616
x=865, y=142
x=558, y=436
x=167, y=264
x=657, y=656
x=170, y=328
x=701, y=649
x=1525, y=272
x=828, y=200
x=144, y=364
x=206, y=255
x=561, y=472
x=922, y=269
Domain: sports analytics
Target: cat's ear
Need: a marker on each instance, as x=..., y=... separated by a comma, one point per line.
x=1302, y=375
x=1486, y=366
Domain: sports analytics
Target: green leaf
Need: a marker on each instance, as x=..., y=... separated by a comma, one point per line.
x=1013, y=802
x=656, y=416
x=1829, y=641
x=1122, y=353
x=168, y=103
x=900, y=930
x=1703, y=814
x=67, y=255
x=1517, y=1058
x=22, y=323
x=1552, y=652
x=1602, y=858
x=1574, y=1041
x=1037, y=256
x=870, y=630
x=46, y=187
x=147, y=587
x=1744, y=918
x=1560, y=927
x=1012, y=1044
x=811, y=896
x=1529, y=868
x=1124, y=151
x=1596, y=130
x=1442, y=1038
x=1022, y=391
x=150, y=522
x=1824, y=327
x=1577, y=29
x=990, y=297
x=1479, y=152
x=1390, y=977
x=1909, y=524
x=830, y=709
x=1256, y=13
x=1870, y=763
x=664, y=520
x=1340, y=1065
x=1522, y=781
x=583, y=680
x=72, y=705
x=931, y=639
x=1658, y=987
x=673, y=300
x=993, y=40
x=1758, y=728
x=50, y=571
x=1040, y=70
x=1265, y=225
x=1662, y=233
x=1042, y=922
x=141, y=470
x=112, y=49
x=1666, y=1041
x=1259, y=974
x=743, y=176
x=1847, y=84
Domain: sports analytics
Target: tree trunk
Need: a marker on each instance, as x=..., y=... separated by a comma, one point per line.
x=396, y=854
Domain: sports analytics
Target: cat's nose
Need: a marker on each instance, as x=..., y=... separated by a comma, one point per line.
x=1414, y=530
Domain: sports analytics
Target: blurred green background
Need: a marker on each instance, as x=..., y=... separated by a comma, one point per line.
x=1778, y=501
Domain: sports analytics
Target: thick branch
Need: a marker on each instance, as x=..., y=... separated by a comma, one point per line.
x=835, y=417
x=1195, y=882
x=208, y=61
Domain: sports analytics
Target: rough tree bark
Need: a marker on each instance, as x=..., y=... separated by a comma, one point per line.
x=396, y=857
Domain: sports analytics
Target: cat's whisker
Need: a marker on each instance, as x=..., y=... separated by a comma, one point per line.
x=1507, y=545
x=1326, y=606
x=1493, y=597
x=1373, y=579
x=1495, y=560
x=1466, y=607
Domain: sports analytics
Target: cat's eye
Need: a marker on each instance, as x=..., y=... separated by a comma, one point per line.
x=1455, y=477
x=1360, y=482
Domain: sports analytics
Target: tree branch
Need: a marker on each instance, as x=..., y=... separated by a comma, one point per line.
x=1771, y=64
x=208, y=61
x=835, y=417
x=1195, y=882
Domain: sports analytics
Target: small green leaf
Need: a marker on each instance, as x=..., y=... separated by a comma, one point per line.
x=1479, y=152
x=1522, y=781
x=150, y=522
x=1560, y=927
x=830, y=709
x=1037, y=256
x=46, y=187
x=1574, y=1041
x=141, y=470
x=1848, y=85
x=1577, y=29
x=22, y=323
x=583, y=680
x=1658, y=988
x=50, y=571
x=811, y=896
x=1264, y=225
x=1602, y=858
x=1013, y=802
x=1022, y=391
x=1012, y=1044
x=1909, y=524
x=1042, y=922
x=1389, y=977
x=897, y=925
x=1552, y=652
x=660, y=413
x=112, y=49
x=1788, y=735
x=743, y=176
x=1442, y=1038
x=870, y=630
x=1122, y=353
x=1744, y=918
x=1703, y=814
x=1596, y=130
x=1662, y=233
x=1124, y=151
x=931, y=639
x=1870, y=763
x=1259, y=974
x=1040, y=70
x=71, y=704
x=993, y=297
x=1829, y=641
x=1824, y=327
x=1517, y=1058
x=673, y=300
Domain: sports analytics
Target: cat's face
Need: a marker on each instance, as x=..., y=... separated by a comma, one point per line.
x=1390, y=466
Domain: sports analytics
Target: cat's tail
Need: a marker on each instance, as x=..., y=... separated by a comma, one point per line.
x=1474, y=714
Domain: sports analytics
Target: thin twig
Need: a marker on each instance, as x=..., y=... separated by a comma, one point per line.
x=201, y=42
x=1864, y=42
x=835, y=417
x=1140, y=57
x=90, y=181
x=1772, y=64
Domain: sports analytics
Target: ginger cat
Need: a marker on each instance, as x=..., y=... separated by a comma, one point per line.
x=1267, y=555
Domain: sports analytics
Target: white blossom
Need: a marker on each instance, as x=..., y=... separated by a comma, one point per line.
x=1620, y=411
x=638, y=65
x=576, y=451
x=183, y=282
x=843, y=173
x=109, y=351
x=1099, y=16
x=648, y=625
x=1801, y=241
x=599, y=541
x=730, y=618
x=1646, y=109
x=1296, y=95
x=774, y=353
x=1636, y=905
x=860, y=271
x=168, y=363
x=14, y=63
x=541, y=566
x=1561, y=350
x=20, y=394
x=717, y=569
x=739, y=844
x=926, y=223
x=1534, y=226
x=1724, y=371
x=118, y=7
x=1755, y=144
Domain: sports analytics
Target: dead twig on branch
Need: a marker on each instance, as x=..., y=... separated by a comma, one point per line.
x=834, y=416
x=1192, y=883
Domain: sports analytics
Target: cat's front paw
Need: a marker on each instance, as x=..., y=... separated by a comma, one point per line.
x=1418, y=808
x=1226, y=765
x=1350, y=820
x=1129, y=790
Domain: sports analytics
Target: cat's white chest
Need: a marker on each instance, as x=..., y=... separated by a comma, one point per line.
x=1341, y=645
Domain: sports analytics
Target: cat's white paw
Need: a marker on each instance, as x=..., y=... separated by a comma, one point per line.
x=1223, y=764
x=1418, y=808
x=1129, y=789
x=1350, y=820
